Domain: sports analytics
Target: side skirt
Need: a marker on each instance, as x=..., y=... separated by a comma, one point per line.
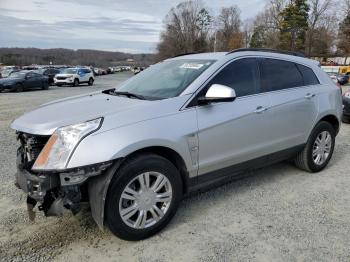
x=220, y=176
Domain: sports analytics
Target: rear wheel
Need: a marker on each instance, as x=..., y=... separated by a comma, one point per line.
x=318, y=150
x=143, y=197
x=346, y=119
x=91, y=81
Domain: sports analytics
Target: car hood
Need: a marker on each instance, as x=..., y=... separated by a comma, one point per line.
x=48, y=117
x=65, y=75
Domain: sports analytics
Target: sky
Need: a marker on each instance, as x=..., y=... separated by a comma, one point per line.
x=130, y=26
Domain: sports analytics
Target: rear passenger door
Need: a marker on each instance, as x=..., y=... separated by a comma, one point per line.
x=294, y=102
x=233, y=132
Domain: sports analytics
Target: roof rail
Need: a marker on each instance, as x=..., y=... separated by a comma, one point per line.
x=267, y=50
x=189, y=53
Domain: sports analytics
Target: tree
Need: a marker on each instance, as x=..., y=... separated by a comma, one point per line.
x=266, y=28
x=186, y=30
x=229, y=33
x=294, y=25
x=344, y=36
x=318, y=10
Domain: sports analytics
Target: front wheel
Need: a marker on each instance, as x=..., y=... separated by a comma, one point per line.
x=76, y=82
x=45, y=86
x=143, y=197
x=91, y=81
x=318, y=150
x=19, y=88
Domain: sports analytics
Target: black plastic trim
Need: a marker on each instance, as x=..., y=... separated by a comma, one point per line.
x=211, y=179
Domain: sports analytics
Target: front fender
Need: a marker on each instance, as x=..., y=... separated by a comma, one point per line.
x=98, y=187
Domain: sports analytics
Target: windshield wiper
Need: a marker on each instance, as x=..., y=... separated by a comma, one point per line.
x=123, y=93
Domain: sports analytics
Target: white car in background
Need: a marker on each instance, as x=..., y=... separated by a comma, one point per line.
x=74, y=77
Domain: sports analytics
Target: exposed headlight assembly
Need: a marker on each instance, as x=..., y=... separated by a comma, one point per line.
x=61, y=145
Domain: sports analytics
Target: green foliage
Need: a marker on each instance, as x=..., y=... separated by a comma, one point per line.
x=294, y=24
x=257, y=40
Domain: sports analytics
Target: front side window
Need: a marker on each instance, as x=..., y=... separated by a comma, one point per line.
x=241, y=75
x=17, y=75
x=279, y=75
x=166, y=79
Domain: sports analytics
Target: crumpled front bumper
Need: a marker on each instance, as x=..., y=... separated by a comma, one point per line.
x=36, y=186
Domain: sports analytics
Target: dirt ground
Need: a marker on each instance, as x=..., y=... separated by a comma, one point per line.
x=277, y=213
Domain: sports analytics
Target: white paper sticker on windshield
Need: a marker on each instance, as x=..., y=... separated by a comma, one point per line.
x=191, y=66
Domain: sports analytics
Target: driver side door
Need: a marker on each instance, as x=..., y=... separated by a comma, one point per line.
x=230, y=133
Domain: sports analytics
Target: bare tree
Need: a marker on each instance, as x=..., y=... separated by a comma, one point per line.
x=186, y=30
x=266, y=25
x=318, y=9
x=229, y=29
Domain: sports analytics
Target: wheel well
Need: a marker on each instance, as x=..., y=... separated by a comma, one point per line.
x=333, y=121
x=170, y=155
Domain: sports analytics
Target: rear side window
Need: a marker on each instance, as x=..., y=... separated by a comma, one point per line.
x=241, y=75
x=279, y=75
x=308, y=75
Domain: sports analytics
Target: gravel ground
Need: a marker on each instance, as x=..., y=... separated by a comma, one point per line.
x=277, y=213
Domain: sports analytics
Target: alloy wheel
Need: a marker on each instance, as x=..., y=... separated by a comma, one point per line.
x=322, y=148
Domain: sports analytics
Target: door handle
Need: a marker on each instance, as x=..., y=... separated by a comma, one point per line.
x=309, y=96
x=260, y=109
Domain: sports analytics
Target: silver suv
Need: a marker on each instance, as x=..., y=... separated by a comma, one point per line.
x=182, y=124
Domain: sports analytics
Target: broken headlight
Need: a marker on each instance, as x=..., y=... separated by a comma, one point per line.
x=59, y=148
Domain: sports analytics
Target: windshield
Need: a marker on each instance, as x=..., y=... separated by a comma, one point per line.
x=69, y=71
x=17, y=75
x=166, y=79
x=5, y=72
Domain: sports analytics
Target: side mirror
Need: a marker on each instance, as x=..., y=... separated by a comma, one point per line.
x=218, y=93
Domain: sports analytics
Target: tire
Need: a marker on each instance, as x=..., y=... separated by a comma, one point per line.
x=45, y=86
x=91, y=81
x=19, y=88
x=76, y=82
x=130, y=171
x=59, y=85
x=304, y=160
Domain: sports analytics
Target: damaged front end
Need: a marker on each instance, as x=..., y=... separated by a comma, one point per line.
x=53, y=191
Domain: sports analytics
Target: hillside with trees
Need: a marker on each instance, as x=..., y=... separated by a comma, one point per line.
x=28, y=56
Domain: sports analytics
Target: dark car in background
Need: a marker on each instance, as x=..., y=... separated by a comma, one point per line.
x=343, y=79
x=346, y=107
x=23, y=80
x=50, y=73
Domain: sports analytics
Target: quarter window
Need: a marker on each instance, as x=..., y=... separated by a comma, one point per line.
x=241, y=75
x=279, y=75
x=308, y=75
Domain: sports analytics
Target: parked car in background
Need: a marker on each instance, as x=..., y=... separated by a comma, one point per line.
x=74, y=77
x=51, y=73
x=23, y=80
x=181, y=125
x=6, y=72
x=346, y=107
x=343, y=79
